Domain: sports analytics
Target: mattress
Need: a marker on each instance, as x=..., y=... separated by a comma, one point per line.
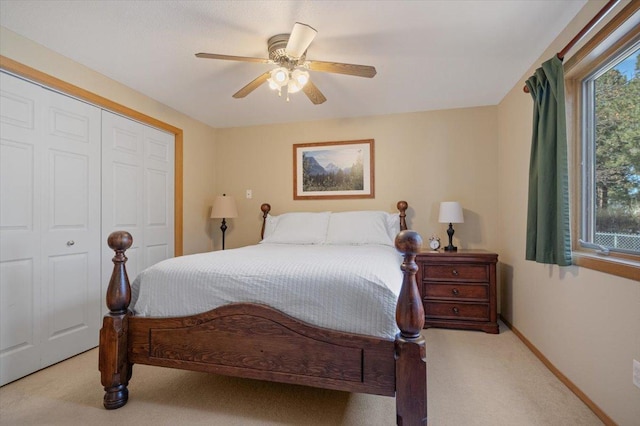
x=346, y=288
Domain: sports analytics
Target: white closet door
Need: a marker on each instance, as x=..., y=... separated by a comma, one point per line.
x=71, y=297
x=122, y=191
x=20, y=211
x=49, y=227
x=137, y=192
x=159, y=167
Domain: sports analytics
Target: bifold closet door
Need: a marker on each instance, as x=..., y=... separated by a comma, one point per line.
x=49, y=227
x=137, y=192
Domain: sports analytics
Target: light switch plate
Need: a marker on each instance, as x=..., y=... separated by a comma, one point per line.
x=249, y=194
x=636, y=373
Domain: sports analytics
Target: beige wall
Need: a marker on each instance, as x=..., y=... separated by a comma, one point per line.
x=422, y=158
x=199, y=139
x=585, y=322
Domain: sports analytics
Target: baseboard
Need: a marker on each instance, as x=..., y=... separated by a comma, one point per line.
x=583, y=397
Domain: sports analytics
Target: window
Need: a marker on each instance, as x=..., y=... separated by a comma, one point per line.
x=602, y=81
x=610, y=210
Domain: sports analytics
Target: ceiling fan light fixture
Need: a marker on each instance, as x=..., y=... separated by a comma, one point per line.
x=289, y=54
x=279, y=77
x=293, y=86
x=301, y=77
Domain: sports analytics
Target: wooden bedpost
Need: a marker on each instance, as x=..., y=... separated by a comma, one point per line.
x=411, y=366
x=402, y=207
x=266, y=208
x=115, y=370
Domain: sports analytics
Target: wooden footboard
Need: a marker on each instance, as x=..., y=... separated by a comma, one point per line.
x=259, y=342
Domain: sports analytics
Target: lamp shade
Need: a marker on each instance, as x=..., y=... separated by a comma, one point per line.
x=224, y=207
x=450, y=212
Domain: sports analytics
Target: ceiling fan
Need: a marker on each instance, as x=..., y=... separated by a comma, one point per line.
x=288, y=52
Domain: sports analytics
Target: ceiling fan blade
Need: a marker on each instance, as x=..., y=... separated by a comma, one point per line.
x=232, y=58
x=251, y=86
x=301, y=37
x=313, y=93
x=336, y=67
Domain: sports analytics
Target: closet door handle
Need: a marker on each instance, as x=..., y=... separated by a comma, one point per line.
x=70, y=243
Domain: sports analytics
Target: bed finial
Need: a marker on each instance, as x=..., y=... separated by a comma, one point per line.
x=411, y=393
x=266, y=208
x=409, y=311
x=119, y=290
x=402, y=208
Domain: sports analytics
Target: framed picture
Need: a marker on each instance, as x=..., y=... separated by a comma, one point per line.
x=333, y=170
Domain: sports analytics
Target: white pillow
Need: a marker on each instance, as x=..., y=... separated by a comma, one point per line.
x=298, y=228
x=393, y=225
x=360, y=227
x=270, y=225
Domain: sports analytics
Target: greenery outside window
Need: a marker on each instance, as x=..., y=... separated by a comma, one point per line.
x=602, y=81
x=610, y=211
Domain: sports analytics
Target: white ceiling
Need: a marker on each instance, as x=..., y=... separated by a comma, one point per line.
x=429, y=54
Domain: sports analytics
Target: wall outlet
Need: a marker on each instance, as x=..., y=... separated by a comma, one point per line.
x=636, y=373
x=249, y=194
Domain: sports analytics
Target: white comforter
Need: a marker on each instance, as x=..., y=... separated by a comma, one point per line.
x=345, y=288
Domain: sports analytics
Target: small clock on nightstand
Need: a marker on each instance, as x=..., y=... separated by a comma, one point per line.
x=434, y=242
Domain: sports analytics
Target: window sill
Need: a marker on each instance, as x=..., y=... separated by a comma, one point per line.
x=619, y=266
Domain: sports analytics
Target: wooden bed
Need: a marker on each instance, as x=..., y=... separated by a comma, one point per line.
x=256, y=341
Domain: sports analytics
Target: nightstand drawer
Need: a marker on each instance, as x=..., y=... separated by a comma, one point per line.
x=459, y=311
x=456, y=272
x=456, y=291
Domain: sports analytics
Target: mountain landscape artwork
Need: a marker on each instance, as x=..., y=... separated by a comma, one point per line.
x=342, y=170
x=334, y=169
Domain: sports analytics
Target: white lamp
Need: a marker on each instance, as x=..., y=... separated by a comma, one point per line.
x=224, y=207
x=450, y=212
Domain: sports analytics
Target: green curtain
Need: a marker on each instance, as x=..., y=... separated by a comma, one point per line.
x=548, y=232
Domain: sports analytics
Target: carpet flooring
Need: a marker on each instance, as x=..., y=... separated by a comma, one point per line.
x=473, y=379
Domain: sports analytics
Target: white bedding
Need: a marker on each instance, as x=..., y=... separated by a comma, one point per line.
x=346, y=288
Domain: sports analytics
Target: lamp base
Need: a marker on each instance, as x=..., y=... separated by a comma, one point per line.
x=450, y=233
x=223, y=228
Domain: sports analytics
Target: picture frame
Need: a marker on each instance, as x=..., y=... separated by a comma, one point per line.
x=334, y=170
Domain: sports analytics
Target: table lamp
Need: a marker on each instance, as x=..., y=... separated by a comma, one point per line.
x=224, y=207
x=450, y=212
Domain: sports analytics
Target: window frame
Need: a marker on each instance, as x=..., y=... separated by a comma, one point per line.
x=618, y=35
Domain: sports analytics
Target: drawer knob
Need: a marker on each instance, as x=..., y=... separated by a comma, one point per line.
x=70, y=243
x=455, y=292
x=455, y=310
x=455, y=272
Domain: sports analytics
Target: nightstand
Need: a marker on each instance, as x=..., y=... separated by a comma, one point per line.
x=458, y=289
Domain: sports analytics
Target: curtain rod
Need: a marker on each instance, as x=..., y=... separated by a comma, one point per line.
x=592, y=23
